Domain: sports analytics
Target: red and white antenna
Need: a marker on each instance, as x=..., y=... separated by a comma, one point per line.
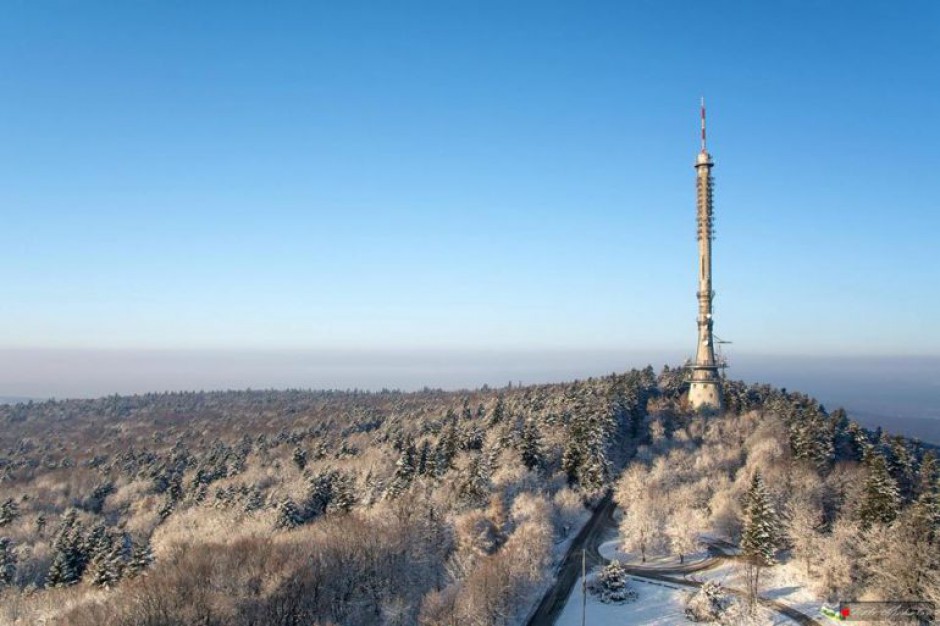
x=703, y=123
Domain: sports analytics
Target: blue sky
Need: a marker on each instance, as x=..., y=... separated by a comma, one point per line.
x=456, y=175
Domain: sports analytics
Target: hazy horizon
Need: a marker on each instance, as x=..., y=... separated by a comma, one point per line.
x=898, y=386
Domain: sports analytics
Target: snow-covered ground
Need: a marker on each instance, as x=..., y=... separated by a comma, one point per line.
x=661, y=603
x=610, y=550
x=657, y=605
x=784, y=583
x=787, y=583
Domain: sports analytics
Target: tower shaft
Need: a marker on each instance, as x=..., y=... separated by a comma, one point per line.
x=705, y=387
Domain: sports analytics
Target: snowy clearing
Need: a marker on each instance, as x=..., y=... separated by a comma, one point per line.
x=658, y=605
x=784, y=583
x=611, y=550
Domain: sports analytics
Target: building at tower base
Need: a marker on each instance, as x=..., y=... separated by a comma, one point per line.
x=705, y=394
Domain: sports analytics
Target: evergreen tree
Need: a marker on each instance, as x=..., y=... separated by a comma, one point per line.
x=96, y=542
x=926, y=509
x=475, y=482
x=343, y=493
x=319, y=494
x=425, y=458
x=585, y=457
x=611, y=584
x=430, y=463
x=499, y=411
x=69, y=557
x=141, y=559
x=472, y=437
x=571, y=459
x=407, y=465
x=843, y=444
x=636, y=413
x=531, y=446
x=107, y=564
x=926, y=474
x=811, y=437
x=7, y=563
x=169, y=504
x=857, y=442
x=671, y=382
x=288, y=515
x=9, y=511
x=594, y=472
x=299, y=457
x=95, y=502
x=925, y=516
x=881, y=502
x=760, y=536
x=900, y=463
x=405, y=469
x=446, y=450
x=61, y=573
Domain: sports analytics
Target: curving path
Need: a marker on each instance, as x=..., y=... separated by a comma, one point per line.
x=718, y=549
x=783, y=609
x=590, y=538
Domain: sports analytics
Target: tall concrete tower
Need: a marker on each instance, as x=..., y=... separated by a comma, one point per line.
x=705, y=381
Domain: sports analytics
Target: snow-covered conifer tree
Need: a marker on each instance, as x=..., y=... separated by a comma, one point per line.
x=530, y=445
x=475, y=480
x=499, y=412
x=343, y=493
x=288, y=515
x=7, y=562
x=299, y=457
x=881, y=500
x=107, y=564
x=405, y=469
x=69, y=557
x=446, y=449
x=425, y=458
x=611, y=584
x=9, y=511
x=141, y=559
x=319, y=494
x=761, y=524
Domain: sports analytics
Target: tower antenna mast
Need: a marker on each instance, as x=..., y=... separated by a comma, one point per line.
x=703, y=124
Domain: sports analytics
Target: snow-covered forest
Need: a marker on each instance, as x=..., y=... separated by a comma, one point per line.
x=856, y=512
x=432, y=508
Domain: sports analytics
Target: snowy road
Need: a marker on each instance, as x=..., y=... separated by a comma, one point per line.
x=555, y=599
x=660, y=605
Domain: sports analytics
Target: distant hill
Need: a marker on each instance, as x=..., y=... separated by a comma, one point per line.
x=14, y=399
x=924, y=428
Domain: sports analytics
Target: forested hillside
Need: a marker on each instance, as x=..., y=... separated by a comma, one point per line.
x=857, y=512
x=432, y=508
x=298, y=507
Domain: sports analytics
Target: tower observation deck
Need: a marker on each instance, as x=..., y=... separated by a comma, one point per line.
x=705, y=380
